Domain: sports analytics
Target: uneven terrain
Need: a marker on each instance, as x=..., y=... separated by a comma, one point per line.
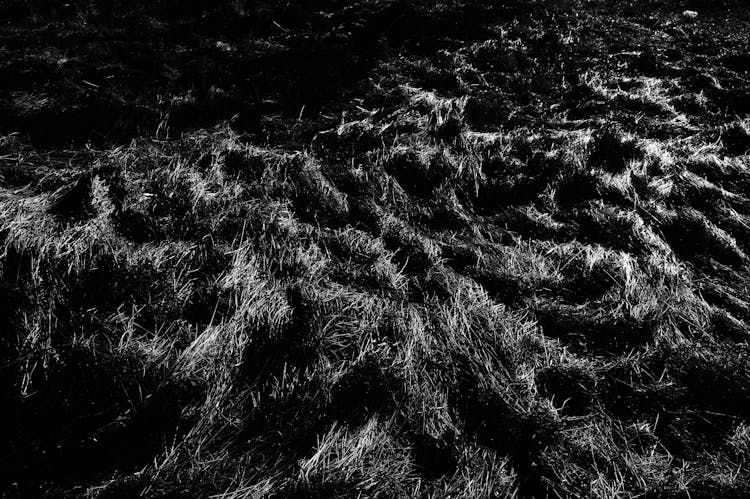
x=328, y=248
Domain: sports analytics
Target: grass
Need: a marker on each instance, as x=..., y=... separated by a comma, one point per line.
x=374, y=249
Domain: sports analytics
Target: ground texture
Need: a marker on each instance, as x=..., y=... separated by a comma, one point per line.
x=324, y=248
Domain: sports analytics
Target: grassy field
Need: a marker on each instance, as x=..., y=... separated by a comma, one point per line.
x=328, y=248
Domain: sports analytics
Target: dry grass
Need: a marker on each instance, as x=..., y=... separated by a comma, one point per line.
x=454, y=249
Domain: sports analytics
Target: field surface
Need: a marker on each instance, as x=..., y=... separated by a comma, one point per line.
x=374, y=248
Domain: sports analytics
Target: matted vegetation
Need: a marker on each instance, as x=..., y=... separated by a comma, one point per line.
x=325, y=248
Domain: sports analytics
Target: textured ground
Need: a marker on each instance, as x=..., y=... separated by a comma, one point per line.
x=374, y=249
